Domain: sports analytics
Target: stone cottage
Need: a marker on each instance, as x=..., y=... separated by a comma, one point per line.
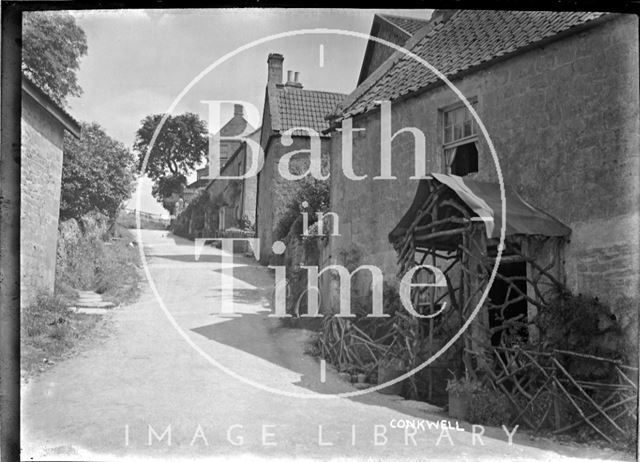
x=234, y=127
x=558, y=95
x=236, y=199
x=44, y=124
x=288, y=107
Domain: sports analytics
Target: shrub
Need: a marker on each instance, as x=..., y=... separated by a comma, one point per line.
x=86, y=262
x=489, y=407
x=464, y=385
x=312, y=191
x=49, y=331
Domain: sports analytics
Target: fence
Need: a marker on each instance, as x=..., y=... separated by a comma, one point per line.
x=565, y=390
x=148, y=216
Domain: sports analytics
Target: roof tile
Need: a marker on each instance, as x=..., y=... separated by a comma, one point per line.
x=305, y=108
x=467, y=39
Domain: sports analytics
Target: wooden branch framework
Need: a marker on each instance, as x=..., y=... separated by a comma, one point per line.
x=536, y=384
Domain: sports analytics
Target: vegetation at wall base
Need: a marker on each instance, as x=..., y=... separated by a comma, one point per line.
x=50, y=332
x=90, y=257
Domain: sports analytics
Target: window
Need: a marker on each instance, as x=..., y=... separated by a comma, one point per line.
x=459, y=141
x=221, y=217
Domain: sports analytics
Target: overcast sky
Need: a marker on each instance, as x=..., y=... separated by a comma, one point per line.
x=139, y=61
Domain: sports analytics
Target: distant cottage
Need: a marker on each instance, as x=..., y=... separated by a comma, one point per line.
x=234, y=127
x=235, y=199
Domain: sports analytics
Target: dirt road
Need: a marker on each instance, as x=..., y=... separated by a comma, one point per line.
x=149, y=388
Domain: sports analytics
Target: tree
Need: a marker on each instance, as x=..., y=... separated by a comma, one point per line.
x=98, y=174
x=52, y=45
x=181, y=145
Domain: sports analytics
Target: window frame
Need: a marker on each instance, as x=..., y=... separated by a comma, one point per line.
x=473, y=138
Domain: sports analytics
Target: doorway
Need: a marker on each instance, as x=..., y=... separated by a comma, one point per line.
x=509, y=305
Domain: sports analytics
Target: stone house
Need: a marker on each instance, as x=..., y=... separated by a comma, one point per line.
x=235, y=198
x=234, y=127
x=558, y=95
x=288, y=107
x=44, y=124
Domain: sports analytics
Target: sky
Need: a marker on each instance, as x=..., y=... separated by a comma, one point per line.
x=140, y=61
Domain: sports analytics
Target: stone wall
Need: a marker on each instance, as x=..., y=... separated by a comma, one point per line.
x=42, y=141
x=564, y=121
x=275, y=193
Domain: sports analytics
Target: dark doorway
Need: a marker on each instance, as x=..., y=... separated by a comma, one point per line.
x=517, y=272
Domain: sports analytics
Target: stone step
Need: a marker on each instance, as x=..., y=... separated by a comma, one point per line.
x=98, y=311
x=94, y=304
x=88, y=293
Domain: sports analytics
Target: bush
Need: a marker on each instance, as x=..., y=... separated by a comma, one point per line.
x=49, y=331
x=464, y=385
x=312, y=191
x=86, y=262
x=98, y=174
x=489, y=407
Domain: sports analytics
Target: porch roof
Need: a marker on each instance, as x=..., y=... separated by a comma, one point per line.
x=484, y=200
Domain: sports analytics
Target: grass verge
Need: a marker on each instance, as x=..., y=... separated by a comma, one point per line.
x=49, y=331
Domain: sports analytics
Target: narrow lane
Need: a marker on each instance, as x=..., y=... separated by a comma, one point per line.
x=144, y=381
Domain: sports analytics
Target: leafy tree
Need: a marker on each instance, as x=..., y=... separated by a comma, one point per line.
x=98, y=174
x=52, y=45
x=181, y=145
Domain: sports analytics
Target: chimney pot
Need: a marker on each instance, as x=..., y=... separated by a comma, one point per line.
x=274, y=62
x=292, y=80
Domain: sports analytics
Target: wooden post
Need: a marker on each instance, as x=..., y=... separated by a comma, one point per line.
x=557, y=422
x=479, y=333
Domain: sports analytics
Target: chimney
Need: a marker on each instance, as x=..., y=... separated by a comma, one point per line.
x=238, y=110
x=292, y=79
x=275, y=68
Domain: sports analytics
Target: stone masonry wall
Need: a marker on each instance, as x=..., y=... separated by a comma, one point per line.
x=42, y=140
x=564, y=121
x=275, y=192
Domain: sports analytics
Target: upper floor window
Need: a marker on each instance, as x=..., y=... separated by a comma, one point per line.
x=460, y=137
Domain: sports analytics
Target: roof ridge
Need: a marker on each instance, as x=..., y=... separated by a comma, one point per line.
x=314, y=91
x=72, y=124
x=551, y=28
x=410, y=18
x=391, y=19
x=387, y=65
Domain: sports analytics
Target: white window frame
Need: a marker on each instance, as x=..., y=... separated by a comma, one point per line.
x=451, y=145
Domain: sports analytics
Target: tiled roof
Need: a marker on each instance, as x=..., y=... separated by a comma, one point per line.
x=302, y=108
x=409, y=25
x=467, y=39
